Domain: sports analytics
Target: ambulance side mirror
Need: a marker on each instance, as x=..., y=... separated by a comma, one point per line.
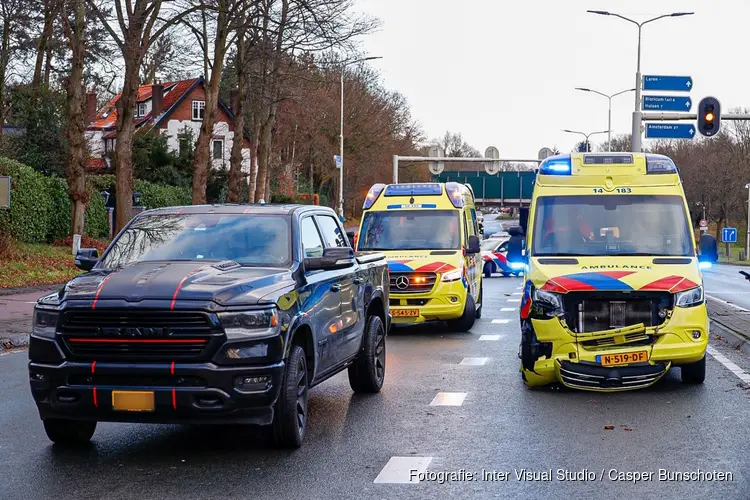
x=709, y=250
x=515, y=246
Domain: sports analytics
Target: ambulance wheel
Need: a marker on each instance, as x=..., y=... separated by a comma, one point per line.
x=466, y=321
x=694, y=373
x=488, y=268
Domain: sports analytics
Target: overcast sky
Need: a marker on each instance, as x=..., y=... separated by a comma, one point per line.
x=503, y=72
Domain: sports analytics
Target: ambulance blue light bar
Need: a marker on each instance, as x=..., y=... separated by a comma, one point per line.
x=556, y=165
x=660, y=164
x=430, y=189
x=372, y=195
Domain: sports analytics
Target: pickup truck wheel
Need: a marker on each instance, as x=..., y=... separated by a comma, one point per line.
x=367, y=373
x=69, y=432
x=694, y=373
x=466, y=321
x=489, y=267
x=290, y=413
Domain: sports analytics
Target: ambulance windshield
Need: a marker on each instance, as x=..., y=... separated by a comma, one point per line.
x=629, y=225
x=410, y=230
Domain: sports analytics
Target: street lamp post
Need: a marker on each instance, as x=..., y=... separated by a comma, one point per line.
x=609, y=115
x=341, y=137
x=585, y=135
x=637, y=115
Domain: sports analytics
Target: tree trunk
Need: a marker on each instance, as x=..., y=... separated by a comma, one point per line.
x=4, y=56
x=264, y=155
x=124, y=142
x=48, y=65
x=238, y=109
x=75, y=168
x=50, y=11
x=252, y=181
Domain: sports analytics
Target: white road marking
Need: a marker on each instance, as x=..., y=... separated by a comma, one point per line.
x=500, y=321
x=745, y=377
x=490, y=337
x=448, y=399
x=517, y=293
x=727, y=303
x=514, y=300
x=402, y=470
x=473, y=361
x=506, y=309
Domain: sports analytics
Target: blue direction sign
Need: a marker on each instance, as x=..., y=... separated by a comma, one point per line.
x=666, y=103
x=729, y=235
x=669, y=83
x=670, y=130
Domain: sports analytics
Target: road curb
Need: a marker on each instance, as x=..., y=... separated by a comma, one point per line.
x=735, y=339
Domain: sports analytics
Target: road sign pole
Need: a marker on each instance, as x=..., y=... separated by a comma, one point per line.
x=747, y=236
x=636, y=131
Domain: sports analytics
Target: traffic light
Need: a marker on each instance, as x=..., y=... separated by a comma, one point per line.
x=709, y=116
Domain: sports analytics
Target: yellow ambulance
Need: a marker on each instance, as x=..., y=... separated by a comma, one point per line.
x=613, y=294
x=430, y=236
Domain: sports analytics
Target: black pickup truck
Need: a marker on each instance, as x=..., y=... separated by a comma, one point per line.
x=210, y=314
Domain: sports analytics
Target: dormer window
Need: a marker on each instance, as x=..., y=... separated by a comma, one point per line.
x=198, y=108
x=140, y=109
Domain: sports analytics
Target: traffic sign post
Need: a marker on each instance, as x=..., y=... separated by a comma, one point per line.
x=666, y=103
x=668, y=83
x=703, y=225
x=338, y=161
x=545, y=153
x=670, y=131
x=436, y=167
x=494, y=167
x=728, y=235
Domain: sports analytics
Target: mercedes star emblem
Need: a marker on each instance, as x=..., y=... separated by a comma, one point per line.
x=402, y=282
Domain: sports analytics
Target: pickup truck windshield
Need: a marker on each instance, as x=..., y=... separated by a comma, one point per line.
x=626, y=225
x=250, y=240
x=410, y=230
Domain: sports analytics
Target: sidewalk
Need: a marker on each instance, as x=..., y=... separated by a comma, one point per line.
x=16, y=315
x=733, y=323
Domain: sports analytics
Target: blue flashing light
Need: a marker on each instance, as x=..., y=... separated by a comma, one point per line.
x=517, y=266
x=372, y=195
x=556, y=165
x=703, y=265
x=660, y=164
x=454, y=193
x=427, y=189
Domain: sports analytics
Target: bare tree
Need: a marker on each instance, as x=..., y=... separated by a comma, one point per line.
x=73, y=21
x=136, y=26
x=14, y=23
x=238, y=110
x=50, y=13
x=453, y=144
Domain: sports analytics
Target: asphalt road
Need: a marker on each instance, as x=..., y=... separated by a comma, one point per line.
x=726, y=283
x=354, y=443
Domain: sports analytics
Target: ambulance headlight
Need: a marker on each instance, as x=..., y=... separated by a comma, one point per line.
x=689, y=298
x=548, y=302
x=454, y=275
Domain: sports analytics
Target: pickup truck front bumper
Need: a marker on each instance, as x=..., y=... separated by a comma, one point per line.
x=186, y=393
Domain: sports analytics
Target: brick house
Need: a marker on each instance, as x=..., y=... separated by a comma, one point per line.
x=169, y=108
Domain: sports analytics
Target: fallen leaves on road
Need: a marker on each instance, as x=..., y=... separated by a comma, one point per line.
x=609, y=427
x=628, y=429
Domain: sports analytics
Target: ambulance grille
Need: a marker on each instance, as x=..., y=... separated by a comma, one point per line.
x=412, y=282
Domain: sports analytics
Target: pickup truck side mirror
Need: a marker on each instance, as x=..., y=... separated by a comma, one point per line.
x=333, y=258
x=709, y=250
x=473, y=246
x=86, y=258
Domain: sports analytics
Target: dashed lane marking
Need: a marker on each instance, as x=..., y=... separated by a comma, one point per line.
x=745, y=377
x=490, y=337
x=507, y=309
x=517, y=293
x=500, y=321
x=473, y=361
x=403, y=470
x=514, y=300
x=448, y=399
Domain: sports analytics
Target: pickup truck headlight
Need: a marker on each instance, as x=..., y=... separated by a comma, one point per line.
x=454, y=275
x=549, y=303
x=689, y=298
x=44, y=323
x=250, y=325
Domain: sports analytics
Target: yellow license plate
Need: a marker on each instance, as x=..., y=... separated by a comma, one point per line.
x=405, y=313
x=133, y=400
x=622, y=358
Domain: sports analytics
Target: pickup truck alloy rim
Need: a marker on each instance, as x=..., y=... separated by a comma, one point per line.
x=380, y=355
x=301, y=395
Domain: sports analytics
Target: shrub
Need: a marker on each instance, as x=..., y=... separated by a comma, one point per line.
x=31, y=203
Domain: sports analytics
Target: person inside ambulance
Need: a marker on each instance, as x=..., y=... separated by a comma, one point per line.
x=450, y=238
x=571, y=231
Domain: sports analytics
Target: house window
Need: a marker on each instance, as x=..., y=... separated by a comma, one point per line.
x=198, y=107
x=218, y=149
x=109, y=146
x=140, y=109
